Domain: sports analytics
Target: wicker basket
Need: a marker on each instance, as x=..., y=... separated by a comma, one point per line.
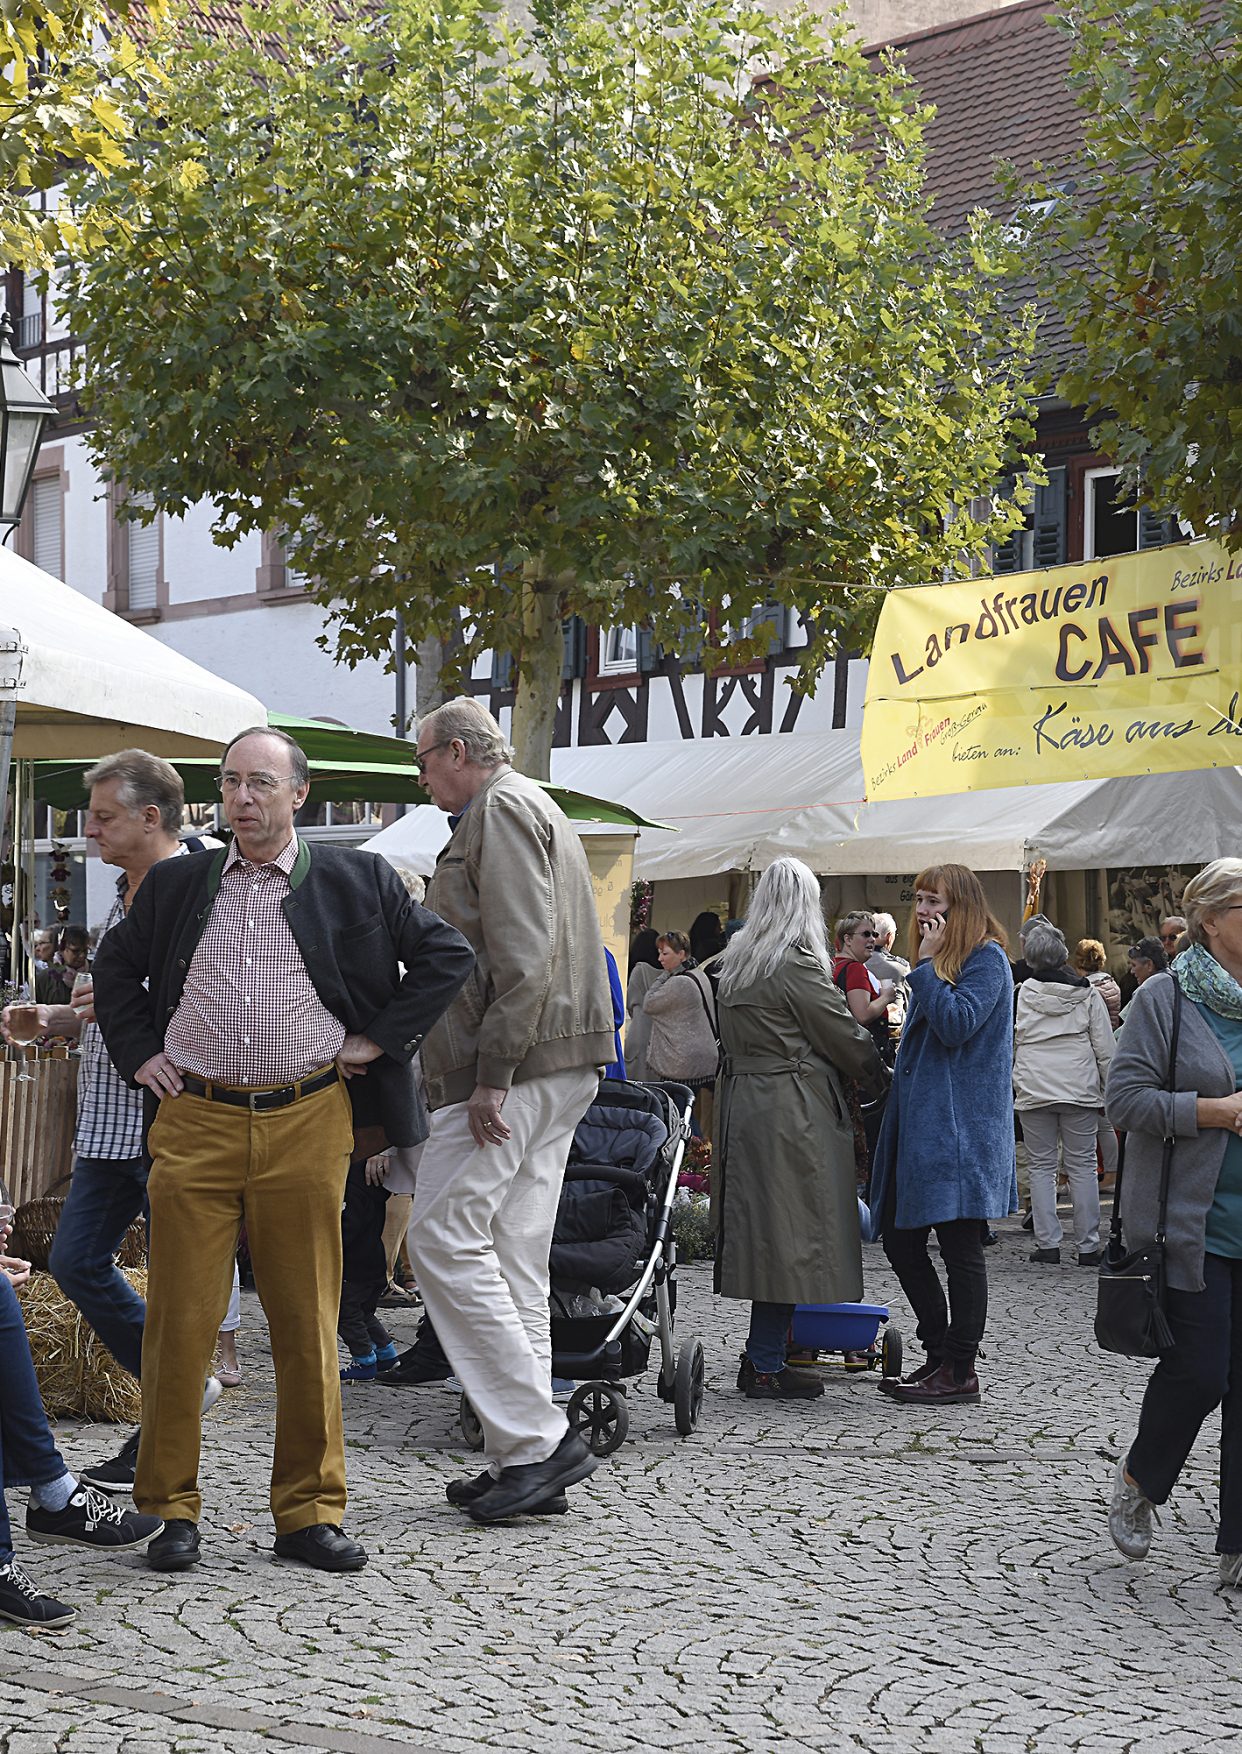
x=34, y=1228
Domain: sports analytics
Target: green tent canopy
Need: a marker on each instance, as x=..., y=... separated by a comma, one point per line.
x=347, y=766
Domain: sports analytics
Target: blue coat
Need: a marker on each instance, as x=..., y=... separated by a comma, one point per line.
x=947, y=1138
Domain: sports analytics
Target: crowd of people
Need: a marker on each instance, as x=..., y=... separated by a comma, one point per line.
x=275, y=1034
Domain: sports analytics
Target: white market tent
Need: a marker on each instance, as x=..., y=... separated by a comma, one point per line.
x=87, y=683
x=739, y=803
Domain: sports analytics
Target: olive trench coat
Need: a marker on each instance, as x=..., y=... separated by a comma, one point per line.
x=786, y=1201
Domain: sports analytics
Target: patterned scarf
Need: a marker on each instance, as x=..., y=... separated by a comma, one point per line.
x=1207, y=982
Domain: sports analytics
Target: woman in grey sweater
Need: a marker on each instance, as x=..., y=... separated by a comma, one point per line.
x=1203, y=1114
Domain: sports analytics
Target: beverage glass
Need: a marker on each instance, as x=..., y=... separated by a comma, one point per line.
x=82, y=998
x=24, y=1027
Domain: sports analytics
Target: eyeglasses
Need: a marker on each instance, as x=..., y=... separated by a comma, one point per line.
x=420, y=757
x=259, y=785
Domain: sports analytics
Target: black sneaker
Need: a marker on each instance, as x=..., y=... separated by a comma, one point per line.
x=116, y=1474
x=91, y=1520
x=21, y=1602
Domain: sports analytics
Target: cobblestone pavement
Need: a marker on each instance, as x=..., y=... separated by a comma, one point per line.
x=846, y=1574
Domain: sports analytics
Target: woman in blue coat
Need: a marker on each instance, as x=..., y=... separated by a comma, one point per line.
x=945, y=1155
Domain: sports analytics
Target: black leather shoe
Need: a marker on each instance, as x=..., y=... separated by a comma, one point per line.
x=521, y=1488
x=323, y=1545
x=419, y=1363
x=465, y=1492
x=1046, y=1257
x=177, y=1548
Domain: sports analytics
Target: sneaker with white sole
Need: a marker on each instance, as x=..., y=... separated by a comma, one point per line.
x=1231, y=1570
x=21, y=1602
x=117, y=1473
x=90, y=1519
x=1129, y=1516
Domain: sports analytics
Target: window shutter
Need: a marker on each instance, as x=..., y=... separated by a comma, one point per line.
x=573, y=662
x=1154, y=528
x=502, y=669
x=46, y=506
x=1049, y=546
x=144, y=559
x=648, y=656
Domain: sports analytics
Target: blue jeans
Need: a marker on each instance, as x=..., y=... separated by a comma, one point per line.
x=105, y=1196
x=769, y=1330
x=28, y=1457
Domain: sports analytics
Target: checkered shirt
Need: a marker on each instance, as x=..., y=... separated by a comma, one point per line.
x=249, y=1013
x=109, y=1112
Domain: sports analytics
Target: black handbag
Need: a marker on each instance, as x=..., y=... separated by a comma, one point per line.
x=1129, y=1313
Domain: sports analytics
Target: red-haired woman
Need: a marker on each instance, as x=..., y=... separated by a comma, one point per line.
x=945, y=1157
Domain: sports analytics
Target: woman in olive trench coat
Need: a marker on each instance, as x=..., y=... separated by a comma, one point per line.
x=787, y=1209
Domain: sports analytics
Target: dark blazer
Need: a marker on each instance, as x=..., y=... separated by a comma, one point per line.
x=352, y=920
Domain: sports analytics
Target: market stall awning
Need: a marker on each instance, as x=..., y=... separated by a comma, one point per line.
x=741, y=802
x=86, y=682
x=347, y=766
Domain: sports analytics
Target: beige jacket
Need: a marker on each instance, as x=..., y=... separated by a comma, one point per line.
x=1063, y=1043
x=514, y=881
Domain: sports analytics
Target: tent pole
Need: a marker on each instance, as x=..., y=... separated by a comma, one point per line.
x=8, y=724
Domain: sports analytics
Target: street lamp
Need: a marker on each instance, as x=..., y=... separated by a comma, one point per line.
x=24, y=412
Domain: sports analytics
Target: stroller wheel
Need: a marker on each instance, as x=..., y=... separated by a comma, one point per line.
x=890, y=1352
x=688, y=1387
x=471, y=1430
x=599, y=1414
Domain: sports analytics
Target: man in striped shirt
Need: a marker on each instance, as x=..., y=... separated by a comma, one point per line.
x=135, y=815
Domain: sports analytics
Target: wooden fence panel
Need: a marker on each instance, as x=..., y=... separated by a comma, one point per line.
x=37, y=1118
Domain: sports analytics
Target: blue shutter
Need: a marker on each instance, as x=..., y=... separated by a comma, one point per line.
x=502, y=670
x=648, y=651
x=1050, y=520
x=1154, y=528
x=573, y=663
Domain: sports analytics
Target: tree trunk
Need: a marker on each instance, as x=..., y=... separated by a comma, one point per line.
x=429, y=691
x=538, y=686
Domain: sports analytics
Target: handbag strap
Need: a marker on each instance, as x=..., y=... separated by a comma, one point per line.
x=1166, y=1165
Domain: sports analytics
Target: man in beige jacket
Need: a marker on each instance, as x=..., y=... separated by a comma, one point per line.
x=510, y=1070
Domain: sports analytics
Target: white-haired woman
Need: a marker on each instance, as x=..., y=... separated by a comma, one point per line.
x=787, y=1212
x=1202, y=1113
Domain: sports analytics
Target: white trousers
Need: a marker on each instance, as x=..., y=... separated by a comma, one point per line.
x=1107, y=1139
x=480, y=1230
x=1074, y=1129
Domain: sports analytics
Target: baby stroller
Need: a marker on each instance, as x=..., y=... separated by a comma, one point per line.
x=613, y=1261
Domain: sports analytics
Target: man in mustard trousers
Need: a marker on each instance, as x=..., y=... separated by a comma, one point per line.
x=256, y=994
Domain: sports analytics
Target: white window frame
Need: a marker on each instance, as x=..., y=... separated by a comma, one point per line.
x=614, y=663
x=1089, y=478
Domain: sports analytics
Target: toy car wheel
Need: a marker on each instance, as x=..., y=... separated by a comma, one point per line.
x=890, y=1353
x=688, y=1386
x=471, y=1430
x=598, y=1413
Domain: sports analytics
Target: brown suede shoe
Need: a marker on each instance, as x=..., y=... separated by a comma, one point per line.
x=940, y=1389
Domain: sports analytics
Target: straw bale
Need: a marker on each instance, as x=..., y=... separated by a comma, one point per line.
x=77, y=1374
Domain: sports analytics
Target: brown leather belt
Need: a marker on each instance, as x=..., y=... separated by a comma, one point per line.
x=259, y=1101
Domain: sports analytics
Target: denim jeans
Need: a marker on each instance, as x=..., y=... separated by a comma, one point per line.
x=28, y=1457
x=1202, y=1373
x=769, y=1330
x=105, y=1196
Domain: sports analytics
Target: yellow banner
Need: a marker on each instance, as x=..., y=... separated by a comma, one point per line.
x=1108, y=667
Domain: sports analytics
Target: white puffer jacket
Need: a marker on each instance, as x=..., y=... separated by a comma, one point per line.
x=1063, y=1043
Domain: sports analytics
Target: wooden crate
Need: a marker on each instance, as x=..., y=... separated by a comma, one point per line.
x=37, y=1118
